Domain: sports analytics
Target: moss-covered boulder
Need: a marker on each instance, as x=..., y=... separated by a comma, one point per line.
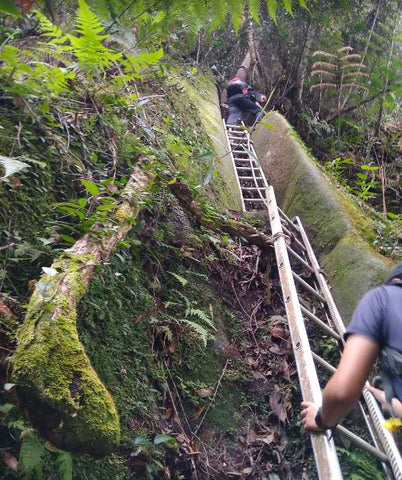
x=340, y=232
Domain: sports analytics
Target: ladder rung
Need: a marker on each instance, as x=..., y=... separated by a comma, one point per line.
x=294, y=238
x=324, y=363
x=362, y=443
x=250, y=178
x=254, y=188
x=254, y=200
x=247, y=168
x=308, y=287
x=300, y=259
x=288, y=220
x=320, y=323
x=249, y=165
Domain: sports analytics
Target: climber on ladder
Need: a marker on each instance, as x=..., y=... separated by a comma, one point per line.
x=375, y=330
x=243, y=98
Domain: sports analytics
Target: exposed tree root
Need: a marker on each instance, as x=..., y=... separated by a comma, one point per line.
x=234, y=228
x=60, y=391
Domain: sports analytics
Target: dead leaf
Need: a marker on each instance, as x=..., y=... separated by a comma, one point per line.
x=275, y=402
x=31, y=285
x=10, y=461
x=268, y=439
x=252, y=436
x=258, y=375
x=199, y=411
x=247, y=470
x=204, y=392
x=24, y=6
x=173, y=344
x=251, y=361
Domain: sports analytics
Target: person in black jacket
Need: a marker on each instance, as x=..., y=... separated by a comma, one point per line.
x=243, y=98
x=374, y=331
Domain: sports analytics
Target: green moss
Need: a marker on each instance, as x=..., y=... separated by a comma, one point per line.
x=202, y=92
x=354, y=269
x=51, y=365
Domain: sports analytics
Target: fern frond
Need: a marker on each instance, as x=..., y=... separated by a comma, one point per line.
x=195, y=312
x=218, y=11
x=315, y=73
x=352, y=56
x=48, y=29
x=324, y=54
x=254, y=8
x=31, y=453
x=64, y=462
x=201, y=331
x=288, y=6
x=353, y=74
x=353, y=65
x=323, y=86
x=88, y=24
x=272, y=7
x=323, y=64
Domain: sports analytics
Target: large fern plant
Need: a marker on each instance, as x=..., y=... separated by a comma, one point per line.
x=25, y=72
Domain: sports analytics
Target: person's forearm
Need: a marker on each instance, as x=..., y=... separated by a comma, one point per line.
x=397, y=407
x=336, y=405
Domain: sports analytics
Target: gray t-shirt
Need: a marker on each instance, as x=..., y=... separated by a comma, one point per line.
x=378, y=316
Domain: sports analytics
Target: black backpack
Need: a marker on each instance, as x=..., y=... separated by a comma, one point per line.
x=391, y=367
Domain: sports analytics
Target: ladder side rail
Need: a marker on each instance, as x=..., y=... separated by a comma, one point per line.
x=250, y=148
x=377, y=418
x=324, y=449
x=234, y=166
x=333, y=310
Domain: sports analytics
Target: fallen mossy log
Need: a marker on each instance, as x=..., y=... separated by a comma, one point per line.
x=59, y=390
x=233, y=227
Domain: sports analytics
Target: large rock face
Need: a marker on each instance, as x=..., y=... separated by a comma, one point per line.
x=338, y=229
x=202, y=92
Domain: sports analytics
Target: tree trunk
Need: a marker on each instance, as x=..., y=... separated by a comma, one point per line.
x=59, y=389
x=302, y=67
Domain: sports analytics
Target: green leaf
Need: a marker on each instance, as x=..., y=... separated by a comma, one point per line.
x=268, y=125
x=163, y=439
x=8, y=6
x=142, y=441
x=90, y=186
x=362, y=176
x=288, y=6
x=31, y=453
x=392, y=216
x=6, y=408
x=370, y=168
x=68, y=238
x=254, y=7
x=182, y=280
x=272, y=7
x=64, y=462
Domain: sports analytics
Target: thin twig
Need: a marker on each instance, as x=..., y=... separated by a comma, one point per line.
x=214, y=396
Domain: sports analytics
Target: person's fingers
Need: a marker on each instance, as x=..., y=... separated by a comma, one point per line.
x=306, y=404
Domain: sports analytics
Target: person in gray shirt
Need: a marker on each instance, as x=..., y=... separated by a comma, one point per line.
x=375, y=329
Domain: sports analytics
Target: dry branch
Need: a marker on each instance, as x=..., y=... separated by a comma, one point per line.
x=61, y=392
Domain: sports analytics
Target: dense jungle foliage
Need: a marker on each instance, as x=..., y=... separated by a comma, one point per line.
x=142, y=326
